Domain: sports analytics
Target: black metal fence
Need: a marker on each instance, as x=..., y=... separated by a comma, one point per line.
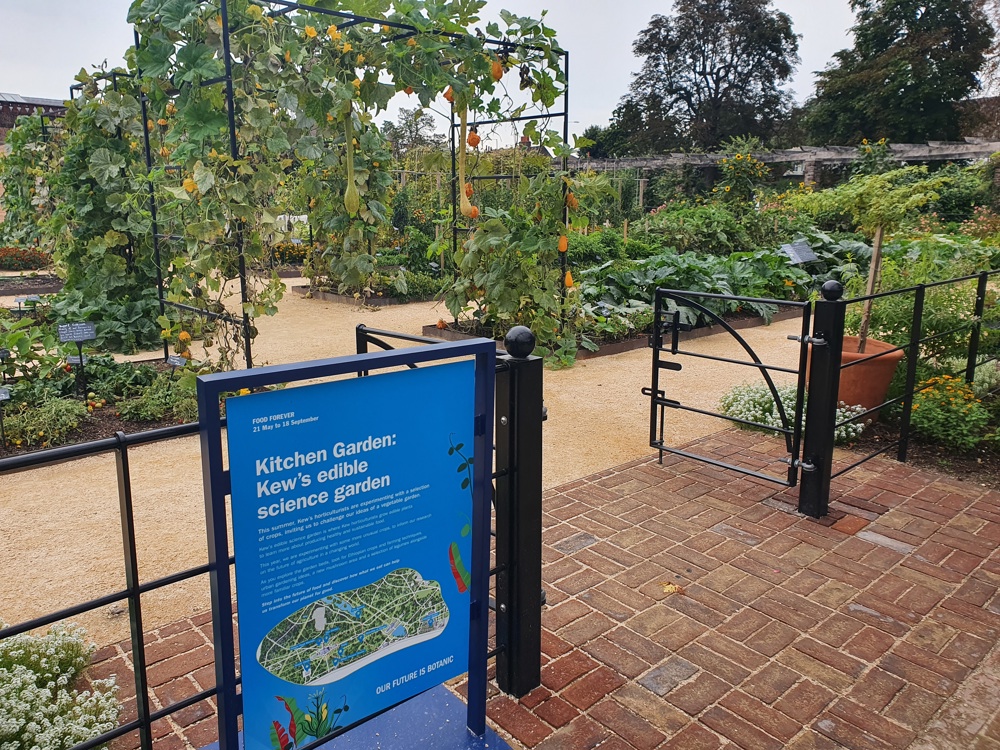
x=923, y=345
x=517, y=538
x=968, y=326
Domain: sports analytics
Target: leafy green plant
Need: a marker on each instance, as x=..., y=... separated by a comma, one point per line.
x=709, y=228
x=44, y=424
x=39, y=707
x=741, y=172
x=110, y=379
x=947, y=412
x=166, y=396
x=754, y=402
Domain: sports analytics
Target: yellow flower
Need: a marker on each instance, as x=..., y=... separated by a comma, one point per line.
x=311, y=32
x=329, y=117
x=333, y=33
x=347, y=47
x=727, y=188
x=739, y=157
x=789, y=282
x=357, y=83
x=288, y=56
x=361, y=58
x=864, y=141
x=190, y=185
x=244, y=391
x=184, y=337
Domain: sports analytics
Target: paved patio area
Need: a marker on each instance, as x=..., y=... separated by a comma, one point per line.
x=690, y=607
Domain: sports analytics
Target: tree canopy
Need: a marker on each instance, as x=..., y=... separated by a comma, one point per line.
x=413, y=129
x=712, y=70
x=911, y=61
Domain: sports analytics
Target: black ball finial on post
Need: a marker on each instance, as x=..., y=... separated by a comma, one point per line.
x=519, y=342
x=832, y=290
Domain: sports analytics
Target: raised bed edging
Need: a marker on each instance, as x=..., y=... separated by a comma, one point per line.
x=42, y=286
x=628, y=345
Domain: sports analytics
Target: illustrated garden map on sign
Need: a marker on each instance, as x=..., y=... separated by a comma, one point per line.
x=352, y=508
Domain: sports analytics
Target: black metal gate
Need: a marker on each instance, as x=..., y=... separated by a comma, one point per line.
x=670, y=304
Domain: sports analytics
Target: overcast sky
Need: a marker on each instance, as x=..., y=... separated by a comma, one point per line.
x=43, y=43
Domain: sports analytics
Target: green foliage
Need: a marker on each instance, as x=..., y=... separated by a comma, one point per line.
x=631, y=284
x=166, y=396
x=754, y=402
x=911, y=60
x=35, y=349
x=709, y=228
x=32, y=153
x=884, y=200
x=692, y=93
x=741, y=173
x=947, y=412
x=46, y=423
x=509, y=268
x=110, y=379
x=957, y=199
x=874, y=158
x=948, y=313
x=23, y=258
x=39, y=708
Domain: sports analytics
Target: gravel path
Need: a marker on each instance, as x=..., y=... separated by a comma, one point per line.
x=61, y=541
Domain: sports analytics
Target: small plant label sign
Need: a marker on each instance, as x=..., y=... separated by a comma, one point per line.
x=4, y=394
x=176, y=360
x=76, y=359
x=77, y=332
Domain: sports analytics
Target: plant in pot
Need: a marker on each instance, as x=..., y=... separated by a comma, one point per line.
x=878, y=204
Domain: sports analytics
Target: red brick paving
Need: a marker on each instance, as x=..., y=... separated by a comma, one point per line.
x=873, y=628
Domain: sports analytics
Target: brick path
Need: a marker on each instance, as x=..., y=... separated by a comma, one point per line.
x=873, y=628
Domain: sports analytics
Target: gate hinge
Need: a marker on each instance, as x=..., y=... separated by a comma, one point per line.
x=798, y=464
x=814, y=340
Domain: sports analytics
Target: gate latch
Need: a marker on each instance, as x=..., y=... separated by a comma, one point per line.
x=798, y=464
x=814, y=340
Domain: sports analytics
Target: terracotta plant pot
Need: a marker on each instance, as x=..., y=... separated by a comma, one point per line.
x=866, y=384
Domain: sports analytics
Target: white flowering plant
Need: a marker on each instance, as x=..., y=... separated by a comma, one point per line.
x=755, y=403
x=39, y=707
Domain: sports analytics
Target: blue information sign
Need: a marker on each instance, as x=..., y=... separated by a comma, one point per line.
x=352, y=513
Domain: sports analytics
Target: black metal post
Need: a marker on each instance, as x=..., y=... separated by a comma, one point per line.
x=977, y=326
x=519, y=515
x=912, y=356
x=134, y=598
x=821, y=413
x=81, y=376
x=154, y=223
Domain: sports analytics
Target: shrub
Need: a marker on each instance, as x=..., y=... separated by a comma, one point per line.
x=289, y=253
x=38, y=706
x=46, y=423
x=755, y=403
x=946, y=411
x=164, y=397
x=23, y=259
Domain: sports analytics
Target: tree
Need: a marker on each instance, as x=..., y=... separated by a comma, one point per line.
x=911, y=61
x=413, y=128
x=712, y=70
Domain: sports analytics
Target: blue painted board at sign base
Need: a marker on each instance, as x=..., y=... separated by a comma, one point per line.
x=434, y=720
x=351, y=506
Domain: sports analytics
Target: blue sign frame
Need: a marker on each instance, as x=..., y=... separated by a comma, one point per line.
x=218, y=485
